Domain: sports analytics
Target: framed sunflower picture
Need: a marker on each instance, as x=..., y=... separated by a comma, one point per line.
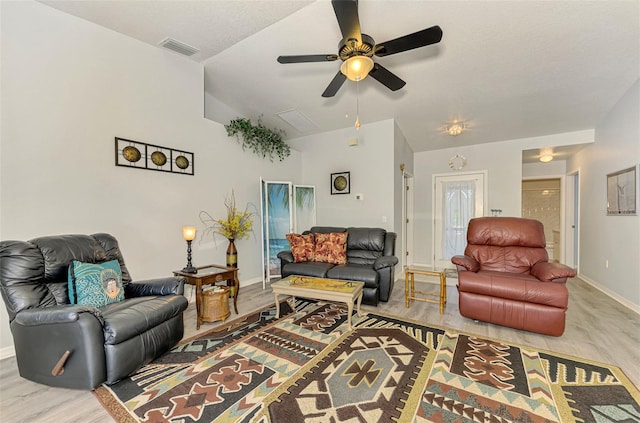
x=340, y=183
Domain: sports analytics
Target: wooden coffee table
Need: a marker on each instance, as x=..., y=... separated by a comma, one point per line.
x=210, y=275
x=320, y=289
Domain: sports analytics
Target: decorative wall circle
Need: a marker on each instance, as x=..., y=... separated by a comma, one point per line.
x=182, y=162
x=340, y=183
x=457, y=162
x=158, y=158
x=131, y=154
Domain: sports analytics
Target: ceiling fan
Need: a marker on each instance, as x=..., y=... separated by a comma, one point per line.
x=357, y=49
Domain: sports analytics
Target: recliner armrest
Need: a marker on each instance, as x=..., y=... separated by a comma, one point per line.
x=468, y=263
x=54, y=315
x=159, y=286
x=552, y=272
x=385, y=261
x=286, y=256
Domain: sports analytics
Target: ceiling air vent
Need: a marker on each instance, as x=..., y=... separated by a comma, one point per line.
x=178, y=46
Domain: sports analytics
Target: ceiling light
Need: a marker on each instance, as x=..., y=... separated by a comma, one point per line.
x=356, y=68
x=546, y=155
x=455, y=128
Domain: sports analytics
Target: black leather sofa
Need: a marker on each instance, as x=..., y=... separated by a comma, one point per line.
x=104, y=344
x=370, y=259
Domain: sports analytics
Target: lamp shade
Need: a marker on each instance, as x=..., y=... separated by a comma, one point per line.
x=189, y=233
x=356, y=68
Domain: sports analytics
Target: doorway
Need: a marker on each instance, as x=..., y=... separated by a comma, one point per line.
x=457, y=199
x=407, y=221
x=542, y=200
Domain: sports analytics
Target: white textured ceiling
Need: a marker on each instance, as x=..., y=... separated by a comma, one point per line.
x=510, y=69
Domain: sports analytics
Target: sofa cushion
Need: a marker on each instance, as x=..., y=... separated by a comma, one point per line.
x=517, y=287
x=310, y=268
x=135, y=316
x=95, y=284
x=331, y=247
x=355, y=272
x=302, y=247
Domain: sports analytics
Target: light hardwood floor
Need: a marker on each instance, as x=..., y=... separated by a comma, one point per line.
x=598, y=329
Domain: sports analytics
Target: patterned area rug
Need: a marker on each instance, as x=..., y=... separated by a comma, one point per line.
x=306, y=367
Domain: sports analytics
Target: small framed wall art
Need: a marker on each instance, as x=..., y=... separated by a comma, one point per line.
x=152, y=157
x=622, y=192
x=340, y=183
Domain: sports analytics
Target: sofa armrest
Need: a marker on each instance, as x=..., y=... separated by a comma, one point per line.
x=468, y=263
x=552, y=272
x=385, y=261
x=54, y=315
x=285, y=257
x=159, y=286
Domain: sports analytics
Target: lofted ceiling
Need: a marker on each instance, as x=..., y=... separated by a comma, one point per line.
x=508, y=69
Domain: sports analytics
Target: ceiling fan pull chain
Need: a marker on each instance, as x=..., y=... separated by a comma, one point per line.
x=357, y=105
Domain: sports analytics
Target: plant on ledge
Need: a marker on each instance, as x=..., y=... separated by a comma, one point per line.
x=261, y=140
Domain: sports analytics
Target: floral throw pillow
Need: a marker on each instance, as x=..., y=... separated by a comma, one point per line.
x=302, y=247
x=331, y=248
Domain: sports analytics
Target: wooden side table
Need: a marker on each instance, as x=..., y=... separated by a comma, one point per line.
x=210, y=275
x=410, y=291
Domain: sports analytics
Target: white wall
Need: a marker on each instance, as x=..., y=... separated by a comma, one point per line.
x=544, y=170
x=371, y=169
x=503, y=163
x=602, y=237
x=68, y=88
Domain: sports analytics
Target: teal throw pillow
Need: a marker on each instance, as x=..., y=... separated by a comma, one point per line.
x=95, y=284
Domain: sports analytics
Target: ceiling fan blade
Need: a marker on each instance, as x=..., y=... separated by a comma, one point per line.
x=308, y=58
x=422, y=38
x=347, y=15
x=386, y=78
x=334, y=85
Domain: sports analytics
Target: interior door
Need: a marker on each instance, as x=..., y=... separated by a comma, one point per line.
x=457, y=199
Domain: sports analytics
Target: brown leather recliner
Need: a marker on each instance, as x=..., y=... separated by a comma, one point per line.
x=505, y=276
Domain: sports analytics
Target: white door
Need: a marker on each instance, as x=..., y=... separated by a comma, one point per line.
x=457, y=199
x=407, y=221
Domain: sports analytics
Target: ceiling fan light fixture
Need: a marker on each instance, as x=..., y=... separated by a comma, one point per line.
x=356, y=68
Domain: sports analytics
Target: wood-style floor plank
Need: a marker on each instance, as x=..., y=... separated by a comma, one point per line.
x=598, y=328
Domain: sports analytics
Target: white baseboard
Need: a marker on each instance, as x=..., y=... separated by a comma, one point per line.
x=7, y=352
x=633, y=307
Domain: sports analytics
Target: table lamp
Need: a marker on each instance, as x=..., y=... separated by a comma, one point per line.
x=189, y=234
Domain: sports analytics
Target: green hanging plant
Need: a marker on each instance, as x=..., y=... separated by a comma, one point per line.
x=261, y=140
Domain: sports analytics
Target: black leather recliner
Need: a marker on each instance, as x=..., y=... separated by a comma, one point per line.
x=76, y=346
x=370, y=259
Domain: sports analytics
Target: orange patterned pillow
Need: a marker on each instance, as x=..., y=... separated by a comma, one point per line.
x=331, y=248
x=302, y=247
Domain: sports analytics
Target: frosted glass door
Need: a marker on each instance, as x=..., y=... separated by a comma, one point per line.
x=457, y=199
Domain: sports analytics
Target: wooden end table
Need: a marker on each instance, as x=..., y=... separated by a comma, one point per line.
x=410, y=288
x=210, y=275
x=320, y=289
